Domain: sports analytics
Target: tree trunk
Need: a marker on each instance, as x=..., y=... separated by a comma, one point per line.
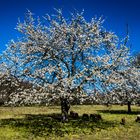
x=65, y=106
x=129, y=107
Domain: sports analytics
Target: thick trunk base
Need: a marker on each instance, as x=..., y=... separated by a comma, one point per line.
x=129, y=107
x=65, y=106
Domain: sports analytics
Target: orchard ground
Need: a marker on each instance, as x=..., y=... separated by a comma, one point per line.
x=42, y=123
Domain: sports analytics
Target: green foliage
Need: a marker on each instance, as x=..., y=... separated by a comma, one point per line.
x=40, y=123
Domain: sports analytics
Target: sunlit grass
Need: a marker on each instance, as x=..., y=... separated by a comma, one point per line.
x=36, y=123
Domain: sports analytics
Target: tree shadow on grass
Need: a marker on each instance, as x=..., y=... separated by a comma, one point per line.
x=119, y=112
x=47, y=125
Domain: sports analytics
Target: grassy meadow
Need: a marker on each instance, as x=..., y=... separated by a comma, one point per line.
x=42, y=123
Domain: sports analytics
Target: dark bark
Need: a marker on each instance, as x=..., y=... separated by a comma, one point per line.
x=129, y=107
x=65, y=106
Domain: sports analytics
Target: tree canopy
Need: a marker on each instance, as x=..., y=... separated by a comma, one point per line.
x=72, y=56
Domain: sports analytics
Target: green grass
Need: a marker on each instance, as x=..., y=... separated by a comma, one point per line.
x=42, y=123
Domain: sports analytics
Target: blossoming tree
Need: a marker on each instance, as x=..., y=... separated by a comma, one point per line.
x=71, y=56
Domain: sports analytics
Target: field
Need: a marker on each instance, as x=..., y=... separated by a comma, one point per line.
x=40, y=123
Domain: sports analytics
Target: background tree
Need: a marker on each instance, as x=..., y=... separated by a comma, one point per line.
x=137, y=60
x=12, y=80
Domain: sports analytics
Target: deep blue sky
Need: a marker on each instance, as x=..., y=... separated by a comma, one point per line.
x=117, y=14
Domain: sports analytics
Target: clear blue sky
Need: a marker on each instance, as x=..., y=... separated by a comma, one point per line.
x=117, y=14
